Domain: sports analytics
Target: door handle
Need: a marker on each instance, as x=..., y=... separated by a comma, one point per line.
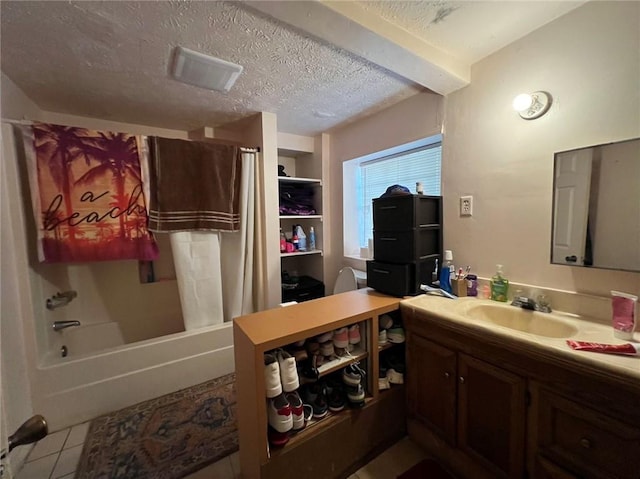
x=571, y=259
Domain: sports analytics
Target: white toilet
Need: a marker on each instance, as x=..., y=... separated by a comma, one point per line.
x=349, y=279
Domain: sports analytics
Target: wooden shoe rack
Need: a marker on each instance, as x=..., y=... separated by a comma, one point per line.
x=335, y=446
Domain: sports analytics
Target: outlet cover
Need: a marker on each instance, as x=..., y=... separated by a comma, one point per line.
x=466, y=205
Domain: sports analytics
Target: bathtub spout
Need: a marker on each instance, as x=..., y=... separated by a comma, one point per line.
x=61, y=299
x=60, y=325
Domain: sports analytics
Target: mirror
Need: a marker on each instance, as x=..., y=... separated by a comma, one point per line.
x=596, y=206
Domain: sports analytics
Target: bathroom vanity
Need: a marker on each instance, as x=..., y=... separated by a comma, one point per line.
x=491, y=398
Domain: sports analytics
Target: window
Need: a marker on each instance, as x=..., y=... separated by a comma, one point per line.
x=368, y=177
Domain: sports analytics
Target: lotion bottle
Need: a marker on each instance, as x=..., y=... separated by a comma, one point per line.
x=445, y=272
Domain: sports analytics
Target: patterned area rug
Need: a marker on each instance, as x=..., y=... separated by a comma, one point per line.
x=165, y=438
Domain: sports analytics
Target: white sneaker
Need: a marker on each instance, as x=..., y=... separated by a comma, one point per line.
x=382, y=337
x=272, y=376
x=383, y=383
x=288, y=372
x=396, y=335
x=279, y=412
x=395, y=377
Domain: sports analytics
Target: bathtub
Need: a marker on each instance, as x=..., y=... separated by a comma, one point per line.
x=85, y=384
x=81, y=341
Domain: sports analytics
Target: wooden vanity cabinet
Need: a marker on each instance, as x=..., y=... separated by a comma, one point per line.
x=489, y=406
x=477, y=408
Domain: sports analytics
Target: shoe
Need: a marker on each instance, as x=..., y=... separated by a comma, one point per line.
x=382, y=337
x=385, y=321
x=324, y=337
x=326, y=349
x=383, y=380
x=272, y=376
x=279, y=412
x=355, y=395
x=395, y=369
x=396, y=334
x=336, y=399
x=341, y=338
x=352, y=375
x=308, y=412
x=307, y=372
x=314, y=394
x=297, y=411
x=288, y=372
x=354, y=334
x=277, y=439
x=299, y=354
x=341, y=352
x=313, y=347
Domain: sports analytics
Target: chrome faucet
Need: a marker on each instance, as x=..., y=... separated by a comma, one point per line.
x=61, y=299
x=542, y=303
x=60, y=325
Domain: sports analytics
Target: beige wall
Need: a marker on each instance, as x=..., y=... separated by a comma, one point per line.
x=588, y=60
x=417, y=117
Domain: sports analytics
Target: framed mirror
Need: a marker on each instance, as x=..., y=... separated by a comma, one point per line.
x=596, y=206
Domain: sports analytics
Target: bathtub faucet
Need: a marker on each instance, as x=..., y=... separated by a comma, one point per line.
x=60, y=325
x=61, y=299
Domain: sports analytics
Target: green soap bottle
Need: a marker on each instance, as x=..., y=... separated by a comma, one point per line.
x=499, y=286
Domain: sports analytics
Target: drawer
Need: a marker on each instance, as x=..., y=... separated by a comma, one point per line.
x=586, y=441
x=308, y=288
x=405, y=212
x=399, y=279
x=406, y=246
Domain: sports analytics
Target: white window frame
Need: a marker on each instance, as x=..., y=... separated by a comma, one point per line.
x=351, y=213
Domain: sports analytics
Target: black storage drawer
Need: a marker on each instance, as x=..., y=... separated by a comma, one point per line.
x=399, y=279
x=306, y=289
x=406, y=246
x=406, y=212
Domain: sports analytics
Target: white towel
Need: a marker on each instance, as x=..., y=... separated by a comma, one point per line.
x=196, y=256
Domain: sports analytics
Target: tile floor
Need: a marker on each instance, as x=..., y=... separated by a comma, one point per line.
x=56, y=457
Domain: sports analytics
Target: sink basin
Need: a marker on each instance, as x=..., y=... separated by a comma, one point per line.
x=532, y=322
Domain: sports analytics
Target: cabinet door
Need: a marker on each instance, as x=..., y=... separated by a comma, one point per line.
x=431, y=385
x=491, y=416
x=548, y=470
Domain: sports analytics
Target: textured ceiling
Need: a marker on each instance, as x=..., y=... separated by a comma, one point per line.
x=111, y=60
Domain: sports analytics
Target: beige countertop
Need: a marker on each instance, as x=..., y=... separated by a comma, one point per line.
x=588, y=329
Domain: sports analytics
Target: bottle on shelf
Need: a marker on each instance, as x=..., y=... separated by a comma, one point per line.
x=302, y=239
x=283, y=242
x=312, y=239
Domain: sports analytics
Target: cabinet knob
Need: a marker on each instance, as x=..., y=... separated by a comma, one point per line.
x=462, y=379
x=447, y=375
x=584, y=442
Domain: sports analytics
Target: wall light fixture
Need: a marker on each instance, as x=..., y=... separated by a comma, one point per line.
x=532, y=106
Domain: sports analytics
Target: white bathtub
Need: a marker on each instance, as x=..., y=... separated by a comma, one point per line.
x=72, y=390
x=81, y=341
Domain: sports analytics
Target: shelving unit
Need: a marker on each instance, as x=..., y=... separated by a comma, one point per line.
x=302, y=159
x=362, y=432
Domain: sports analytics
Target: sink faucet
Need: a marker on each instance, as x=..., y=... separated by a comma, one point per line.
x=542, y=304
x=60, y=325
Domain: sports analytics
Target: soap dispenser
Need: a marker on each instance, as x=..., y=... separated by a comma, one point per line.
x=499, y=285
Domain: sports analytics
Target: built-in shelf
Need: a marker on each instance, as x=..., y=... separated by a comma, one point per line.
x=293, y=179
x=341, y=362
x=301, y=253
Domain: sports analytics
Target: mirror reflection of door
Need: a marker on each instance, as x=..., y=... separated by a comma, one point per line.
x=571, y=206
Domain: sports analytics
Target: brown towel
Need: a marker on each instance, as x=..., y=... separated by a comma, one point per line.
x=194, y=186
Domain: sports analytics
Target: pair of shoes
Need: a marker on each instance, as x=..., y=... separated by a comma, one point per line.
x=326, y=349
x=315, y=395
x=336, y=397
x=382, y=337
x=280, y=373
x=285, y=413
x=347, y=336
x=395, y=334
x=324, y=337
x=352, y=378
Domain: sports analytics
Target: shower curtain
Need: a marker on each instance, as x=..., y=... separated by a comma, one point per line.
x=216, y=270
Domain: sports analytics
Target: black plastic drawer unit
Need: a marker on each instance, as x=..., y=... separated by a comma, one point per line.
x=406, y=212
x=399, y=279
x=416, y=244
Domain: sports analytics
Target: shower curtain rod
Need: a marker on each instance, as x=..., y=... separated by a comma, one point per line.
x=244, y=149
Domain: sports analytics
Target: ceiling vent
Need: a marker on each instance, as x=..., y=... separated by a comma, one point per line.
x=204, y=71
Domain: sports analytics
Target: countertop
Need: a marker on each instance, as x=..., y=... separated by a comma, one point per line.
x=589, y=330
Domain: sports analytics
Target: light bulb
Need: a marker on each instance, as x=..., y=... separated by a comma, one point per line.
x=522, y=102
